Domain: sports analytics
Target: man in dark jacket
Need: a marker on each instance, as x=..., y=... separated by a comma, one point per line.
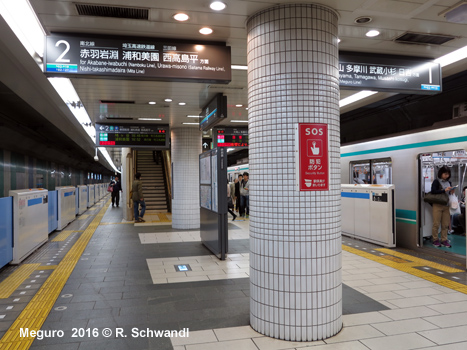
x=237, y=192
x=116, y=188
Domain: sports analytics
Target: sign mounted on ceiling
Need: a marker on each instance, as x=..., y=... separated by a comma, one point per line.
x=401, y=74
x=127, y=135
x=230, y=137
x=213, y=112
x=136, y=58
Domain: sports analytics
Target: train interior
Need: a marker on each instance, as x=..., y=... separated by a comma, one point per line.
x=430, y=163
x=374, y=171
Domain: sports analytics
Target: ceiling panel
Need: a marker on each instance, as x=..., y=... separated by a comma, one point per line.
x=391, y=17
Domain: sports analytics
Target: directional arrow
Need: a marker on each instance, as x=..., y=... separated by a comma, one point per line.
x=205, y=145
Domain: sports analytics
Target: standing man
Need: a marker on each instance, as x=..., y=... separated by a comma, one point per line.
x=238, y=183
x=138, y=198
x=245, y=195
x=116, y=188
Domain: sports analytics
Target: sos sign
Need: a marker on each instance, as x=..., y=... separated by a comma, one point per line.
x=312, y=157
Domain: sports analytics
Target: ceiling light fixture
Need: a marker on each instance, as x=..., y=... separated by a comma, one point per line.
x=239, y=121
x=356, y=97
x=182, y=103
x=239, y=105
x=217, y=6
x=237, y=67
x=149, y=119
x=205, y=31
x=168, y=100
x=452, y=57
x=192, y=116
x=191, y=123
x=372, y=33
x=181, y=17
x=363, y=20
x=152, y=102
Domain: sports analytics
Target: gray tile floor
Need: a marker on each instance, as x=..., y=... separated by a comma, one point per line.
x=111, y=287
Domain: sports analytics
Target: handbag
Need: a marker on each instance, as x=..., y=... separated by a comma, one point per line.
x=229, y=203
x=110, y=188
x=438, y=198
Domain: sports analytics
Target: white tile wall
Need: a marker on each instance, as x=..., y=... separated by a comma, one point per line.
x=295, y=236
x=186, y=147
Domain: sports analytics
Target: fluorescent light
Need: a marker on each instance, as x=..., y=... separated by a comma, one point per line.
x=181, y=17
x=149, y=119
x=239, y=105
x=152, y=102
x=67, y=92
x=452, y=57
x=108, y=158
x=168, y=100
x=191, y=123
x=24, y=23
x=236, y=67
x=372, y=33
x=356, y=97
x=182, y=103
x=230, y=149
x=192, y=116
x=205, y=31
x=239, y=121
x=217, y=6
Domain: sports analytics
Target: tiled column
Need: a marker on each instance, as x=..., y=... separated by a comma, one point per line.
x=295, y=259
x=186, y=147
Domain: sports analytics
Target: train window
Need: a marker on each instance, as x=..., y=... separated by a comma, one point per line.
x=374, y=171
x=381, y=171
x=360, y=172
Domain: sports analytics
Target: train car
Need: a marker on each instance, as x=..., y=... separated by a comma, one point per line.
x=411, y=163
x=234, y=171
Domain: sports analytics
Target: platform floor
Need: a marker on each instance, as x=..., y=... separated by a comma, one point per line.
x=103, y=283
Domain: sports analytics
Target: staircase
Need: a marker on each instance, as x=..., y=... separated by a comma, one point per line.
x=152, y=176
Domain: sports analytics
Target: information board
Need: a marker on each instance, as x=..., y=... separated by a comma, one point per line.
x=312, y=157
x=137, y=58
x=213, y=113
x=400, y=74
x=231, y=137
x=127, y=135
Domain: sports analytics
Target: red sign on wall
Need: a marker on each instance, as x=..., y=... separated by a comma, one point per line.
x=312, y=157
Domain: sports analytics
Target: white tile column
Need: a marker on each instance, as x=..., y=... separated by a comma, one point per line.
x=186, y=147
x=295, y=237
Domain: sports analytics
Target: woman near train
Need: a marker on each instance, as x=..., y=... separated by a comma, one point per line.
x=441, y=214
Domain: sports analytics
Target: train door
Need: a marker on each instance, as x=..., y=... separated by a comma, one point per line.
x=429, y=165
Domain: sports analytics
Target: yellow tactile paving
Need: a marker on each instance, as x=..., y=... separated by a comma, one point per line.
x=410, y=267
x=62, y=236
x=420, y=261
x=12, y=282
x=35, y=313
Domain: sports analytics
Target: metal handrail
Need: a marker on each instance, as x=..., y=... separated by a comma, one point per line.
x=168, y=178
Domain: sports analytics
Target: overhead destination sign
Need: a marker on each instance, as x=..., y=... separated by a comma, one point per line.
x=136, y=58
x=127, y=135
x=411, y=75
